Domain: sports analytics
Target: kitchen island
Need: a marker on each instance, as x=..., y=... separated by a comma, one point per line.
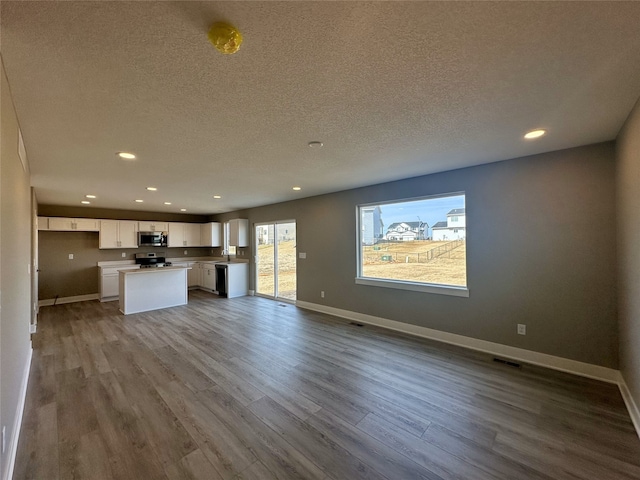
x=152, y=288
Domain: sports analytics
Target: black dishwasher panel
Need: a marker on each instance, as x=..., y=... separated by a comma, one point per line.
x=221, y=280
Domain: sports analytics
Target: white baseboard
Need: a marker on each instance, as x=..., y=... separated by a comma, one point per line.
x=76, y=298
x=13, y=442
x=528, y=356
x=634, y=412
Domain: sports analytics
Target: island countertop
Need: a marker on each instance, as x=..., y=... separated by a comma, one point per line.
x=152, y=270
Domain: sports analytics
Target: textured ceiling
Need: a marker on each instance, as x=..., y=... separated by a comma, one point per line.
x=393, y=89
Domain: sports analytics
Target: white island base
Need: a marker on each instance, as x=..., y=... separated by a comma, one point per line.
x=152, y=288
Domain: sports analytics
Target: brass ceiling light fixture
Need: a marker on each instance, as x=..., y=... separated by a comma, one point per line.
x=225, y=37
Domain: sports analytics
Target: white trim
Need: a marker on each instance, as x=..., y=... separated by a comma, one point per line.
x=76, y=298
x=535, y=358
x=634, y=412
x=414, y=286
x=13, y=443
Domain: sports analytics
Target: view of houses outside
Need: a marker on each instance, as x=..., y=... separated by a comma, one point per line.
x=416, y=241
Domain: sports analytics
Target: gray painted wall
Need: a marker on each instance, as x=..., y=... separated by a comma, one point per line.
x=15, y=281
x=541, y=250
x=628, y=173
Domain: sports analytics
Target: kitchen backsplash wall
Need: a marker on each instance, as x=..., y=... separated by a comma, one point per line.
x=66, y=277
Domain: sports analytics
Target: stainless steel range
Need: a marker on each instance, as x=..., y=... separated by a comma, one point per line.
x=151, y=260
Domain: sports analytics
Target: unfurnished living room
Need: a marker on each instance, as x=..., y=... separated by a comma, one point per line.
x=320, y=240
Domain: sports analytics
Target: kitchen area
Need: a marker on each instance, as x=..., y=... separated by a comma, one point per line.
x=144, y=265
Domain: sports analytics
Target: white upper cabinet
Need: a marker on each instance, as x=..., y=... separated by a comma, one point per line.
x=184, y=235
x=118, y=234
x=176, y=235
x=210, y=234
x=153, y=226
x=192, y=235
x=70, y=224
x=239, y=232
x=43, y=223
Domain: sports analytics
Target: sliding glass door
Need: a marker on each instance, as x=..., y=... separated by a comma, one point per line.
x=276, y=260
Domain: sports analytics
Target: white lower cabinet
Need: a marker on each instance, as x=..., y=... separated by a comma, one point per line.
x=110, y=281
x=209, y=277
x=194, y=276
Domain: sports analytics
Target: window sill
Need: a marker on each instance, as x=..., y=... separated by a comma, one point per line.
x=414, y=287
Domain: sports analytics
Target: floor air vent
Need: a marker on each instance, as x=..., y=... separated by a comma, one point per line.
x=507, y=362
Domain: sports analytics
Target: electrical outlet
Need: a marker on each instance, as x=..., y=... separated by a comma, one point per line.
x=124, y=255
x=185, y=252
x=322, y=294
x=71, y=256
x=302, y=255
x=522, y=329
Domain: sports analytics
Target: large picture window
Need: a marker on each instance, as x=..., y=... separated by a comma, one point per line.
x=414, y=244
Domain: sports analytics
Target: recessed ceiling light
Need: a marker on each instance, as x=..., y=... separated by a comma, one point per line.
x=217, y=196
x=297, y=188
x=167, y=203
x=316, y=144
x=152, y=189
x=534, y=134
x=139, y=201
x=183, y=209
x=126, y=155
x=86, y=202
x=90, y=196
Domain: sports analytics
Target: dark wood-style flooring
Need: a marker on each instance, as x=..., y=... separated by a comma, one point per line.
x=250, y=388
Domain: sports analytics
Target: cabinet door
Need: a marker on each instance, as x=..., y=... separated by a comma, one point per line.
x=209, y=278
x=192, y=235
x=211, y=234
x=153, y=226
x=128, y=234
x=86, y=224
x=43, y=223
x=110, y=286
x=109, y=234
x=176, y=235
x=59, y=223
x=193, y=275
x=239, y=232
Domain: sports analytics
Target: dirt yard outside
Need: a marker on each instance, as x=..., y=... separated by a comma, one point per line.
x=395, y=261
x=286, y=270
x=418, y=261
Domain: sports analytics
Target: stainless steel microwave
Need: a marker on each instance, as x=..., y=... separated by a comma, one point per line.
x=152, y=239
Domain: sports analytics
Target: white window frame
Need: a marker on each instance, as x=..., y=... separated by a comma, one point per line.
x=436, y=288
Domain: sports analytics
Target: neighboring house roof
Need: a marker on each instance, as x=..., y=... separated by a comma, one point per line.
x=440, y=225
x=409, y=224
x=456, y=211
